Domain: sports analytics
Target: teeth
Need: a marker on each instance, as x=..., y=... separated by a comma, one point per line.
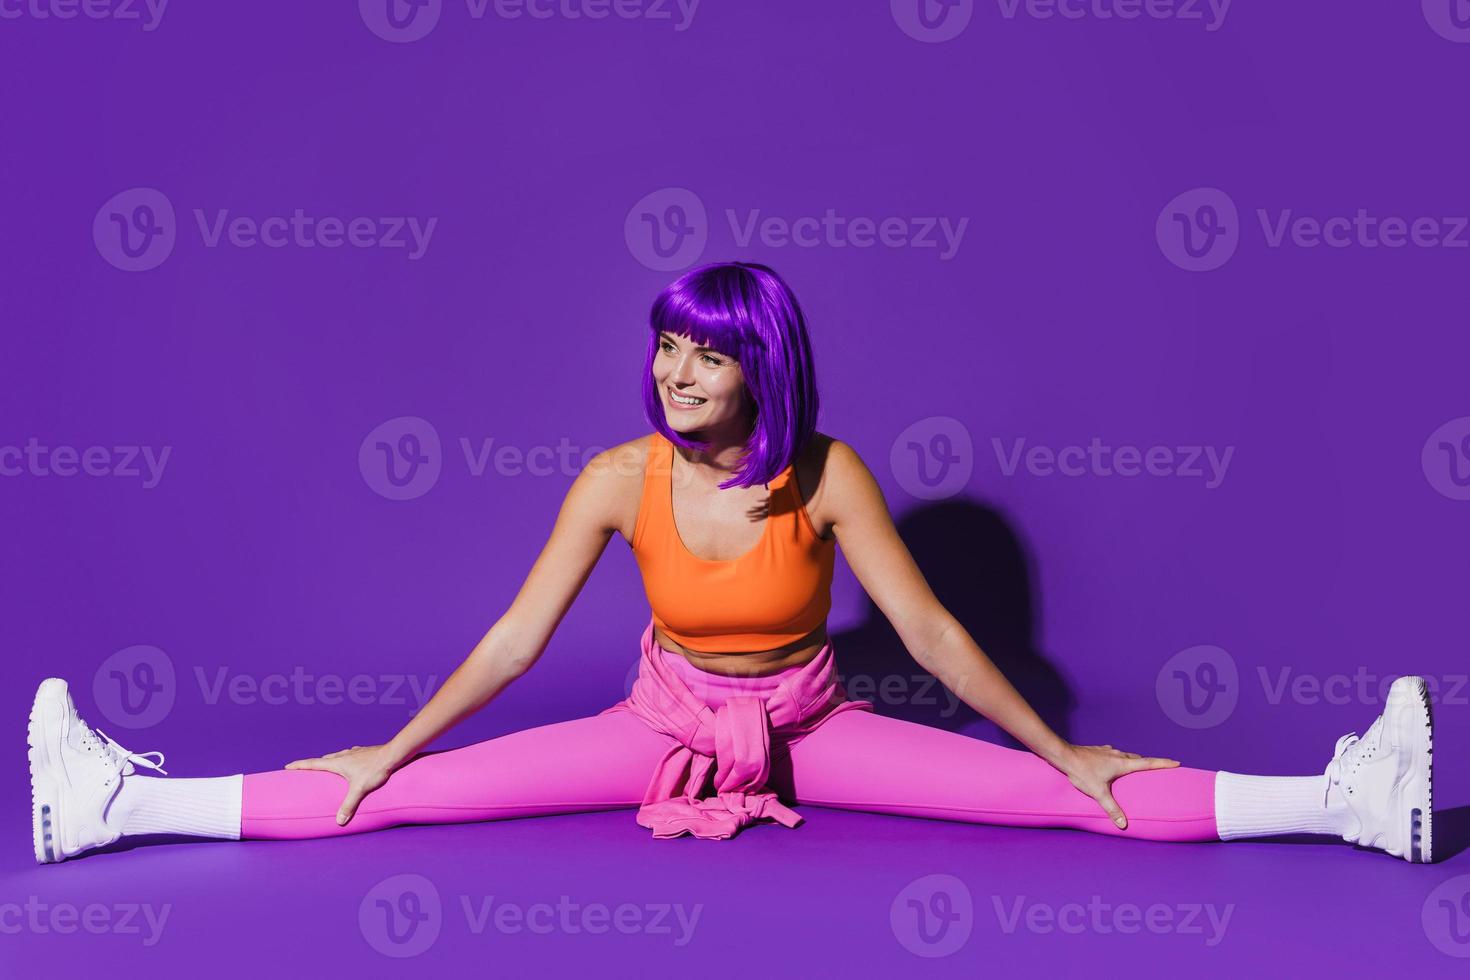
x=686, y=401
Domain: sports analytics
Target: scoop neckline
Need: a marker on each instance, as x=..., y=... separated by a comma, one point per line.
x=674, y=523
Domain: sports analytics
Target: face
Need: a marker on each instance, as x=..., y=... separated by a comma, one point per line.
x=712, y=379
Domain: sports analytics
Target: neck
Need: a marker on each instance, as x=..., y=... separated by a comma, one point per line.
x=723, y=448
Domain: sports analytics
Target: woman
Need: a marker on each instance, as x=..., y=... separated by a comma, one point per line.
x=733, y=507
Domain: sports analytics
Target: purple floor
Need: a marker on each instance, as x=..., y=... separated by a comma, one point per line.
x=840, y=895
x=817, y=899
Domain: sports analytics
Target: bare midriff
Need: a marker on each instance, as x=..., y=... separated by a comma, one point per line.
x=757, y=664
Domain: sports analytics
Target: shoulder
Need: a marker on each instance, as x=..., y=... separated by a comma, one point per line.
x=834, y=480
x=633, y=451
x=621, y=464
x=613, y=481
x=832, y=460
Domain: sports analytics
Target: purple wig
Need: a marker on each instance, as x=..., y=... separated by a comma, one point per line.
x=746, y=312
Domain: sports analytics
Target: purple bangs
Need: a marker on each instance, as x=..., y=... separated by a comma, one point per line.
x=747, y=312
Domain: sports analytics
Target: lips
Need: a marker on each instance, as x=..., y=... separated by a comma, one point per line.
x=672, y=398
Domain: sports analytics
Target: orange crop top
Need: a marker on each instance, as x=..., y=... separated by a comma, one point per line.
x=776, y=593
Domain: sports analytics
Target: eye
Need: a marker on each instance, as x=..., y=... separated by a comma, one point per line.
x=714, y=361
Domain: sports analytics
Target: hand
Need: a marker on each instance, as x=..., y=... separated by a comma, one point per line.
x=365, y=767
x=1092, y=769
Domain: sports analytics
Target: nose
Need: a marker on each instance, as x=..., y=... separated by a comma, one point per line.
x=683, y=373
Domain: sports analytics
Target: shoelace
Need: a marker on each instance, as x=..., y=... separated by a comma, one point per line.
x=118, y=755
x=1346, y=754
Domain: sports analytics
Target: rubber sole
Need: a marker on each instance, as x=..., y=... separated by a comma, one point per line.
x=1421, y=817
x=45, y=793
x=1412, y=838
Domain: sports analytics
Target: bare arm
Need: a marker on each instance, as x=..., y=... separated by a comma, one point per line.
x=932, y=635
x=583, y=527
x=587, y=519
x=942, y=646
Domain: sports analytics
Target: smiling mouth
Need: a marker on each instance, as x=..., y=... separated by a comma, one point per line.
x=679, y=399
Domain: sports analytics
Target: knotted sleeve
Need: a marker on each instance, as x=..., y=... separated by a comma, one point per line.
x=740, y=735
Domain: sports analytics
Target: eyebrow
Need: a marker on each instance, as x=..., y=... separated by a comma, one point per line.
x=664, y=334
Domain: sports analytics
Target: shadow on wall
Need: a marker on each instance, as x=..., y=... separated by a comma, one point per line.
x=979, y=571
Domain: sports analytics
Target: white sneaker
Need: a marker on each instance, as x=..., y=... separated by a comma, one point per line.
x=75, y=775
x=1385, y=777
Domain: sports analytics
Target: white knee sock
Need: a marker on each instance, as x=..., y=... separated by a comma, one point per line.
x=1257, y=806
x=207, y=807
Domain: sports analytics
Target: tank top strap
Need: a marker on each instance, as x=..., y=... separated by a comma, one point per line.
x=794, y=510
x=656, y=475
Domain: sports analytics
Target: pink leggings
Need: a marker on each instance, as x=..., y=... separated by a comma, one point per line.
x=857, y=760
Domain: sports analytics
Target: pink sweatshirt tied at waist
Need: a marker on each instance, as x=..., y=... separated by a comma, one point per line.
x=735, y=740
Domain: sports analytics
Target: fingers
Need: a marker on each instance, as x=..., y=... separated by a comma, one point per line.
x=324, y=763
x=349, y=805
x=1110, y=806
x=1138, y=763
x=304, y=763
x=1146, y=761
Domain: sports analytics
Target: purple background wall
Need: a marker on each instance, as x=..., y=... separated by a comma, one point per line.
x=1094, y=285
